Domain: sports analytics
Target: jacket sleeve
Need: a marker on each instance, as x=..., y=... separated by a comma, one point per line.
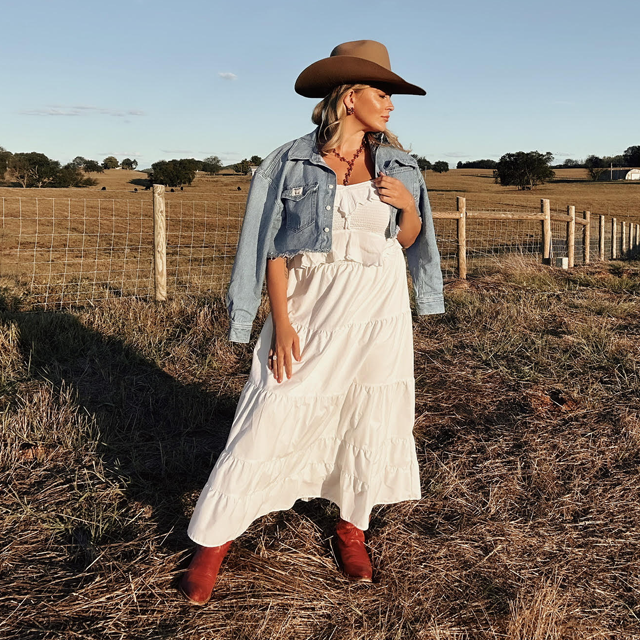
x=423, y=259
x=262, y=214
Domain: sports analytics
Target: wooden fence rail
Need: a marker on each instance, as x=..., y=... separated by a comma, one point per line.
x=67, y=252
x=624, y=237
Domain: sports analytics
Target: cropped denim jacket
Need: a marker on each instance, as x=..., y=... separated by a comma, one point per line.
x=290, y=210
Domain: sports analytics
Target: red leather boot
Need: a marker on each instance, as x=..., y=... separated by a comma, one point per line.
x=355, y=559
x=198, y=582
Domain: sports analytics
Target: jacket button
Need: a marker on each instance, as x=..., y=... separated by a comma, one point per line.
x=330, y=186
x=328, y=207
x=326, y=229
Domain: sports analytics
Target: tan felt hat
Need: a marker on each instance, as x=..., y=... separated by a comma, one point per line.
x=357, y=62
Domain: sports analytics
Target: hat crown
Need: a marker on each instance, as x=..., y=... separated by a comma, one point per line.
x=366, y=49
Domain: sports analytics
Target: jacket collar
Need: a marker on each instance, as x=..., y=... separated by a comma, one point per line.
x=305, y=148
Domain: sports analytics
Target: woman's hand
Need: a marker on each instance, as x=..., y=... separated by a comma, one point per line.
x=393, y=192
x=285, y=343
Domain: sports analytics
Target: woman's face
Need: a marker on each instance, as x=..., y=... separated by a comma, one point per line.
x=372, y=107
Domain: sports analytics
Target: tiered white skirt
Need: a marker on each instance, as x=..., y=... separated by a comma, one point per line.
x=341, y=427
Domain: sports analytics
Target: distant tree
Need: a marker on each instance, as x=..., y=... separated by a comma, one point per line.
x=256, y=160
x=242, y=167
x=71, y=176
x=572, y=164
x=110, y=162
x=212, y=165
x=79, y=162
x=129, y=164
x=477, y=164
x=632, y=156
x=524, y=170
x=33, y=169
x=91, y=166
x=423, y=163
x=174, y=173
x=595, y=166
x=441, y=166
x=4, y=161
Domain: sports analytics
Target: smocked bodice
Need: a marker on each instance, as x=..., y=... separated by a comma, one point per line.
x=360, y=229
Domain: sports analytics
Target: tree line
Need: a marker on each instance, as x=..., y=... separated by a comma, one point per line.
x=425, y=165
x=526, y=170
x=176, y=173
x=596, y=165
x=38, y=170
x=35, y=169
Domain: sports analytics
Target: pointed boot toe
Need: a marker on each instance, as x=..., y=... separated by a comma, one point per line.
x=356, y=563
x=197, y=583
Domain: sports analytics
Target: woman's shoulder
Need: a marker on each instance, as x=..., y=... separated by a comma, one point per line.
x=393, y=153
x=298, y=149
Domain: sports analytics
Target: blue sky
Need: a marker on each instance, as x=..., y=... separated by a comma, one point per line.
x=158, y=80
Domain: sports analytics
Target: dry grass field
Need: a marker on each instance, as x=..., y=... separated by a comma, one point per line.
x=73, y=245
x=527, y=431
x=571, y=187
x=528, y=437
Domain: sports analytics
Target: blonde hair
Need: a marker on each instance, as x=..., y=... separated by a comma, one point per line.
x=329, y=115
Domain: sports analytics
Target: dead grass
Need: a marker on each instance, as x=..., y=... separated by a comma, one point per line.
x=528, y=435
x=621, y=199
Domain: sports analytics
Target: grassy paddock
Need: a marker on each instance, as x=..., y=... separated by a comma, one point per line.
x=528, y=436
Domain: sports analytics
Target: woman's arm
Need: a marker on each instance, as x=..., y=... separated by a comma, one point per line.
x=285, y=339
x=393, y=192
x=410, y=225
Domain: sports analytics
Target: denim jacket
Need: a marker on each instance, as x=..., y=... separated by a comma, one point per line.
x=290, y=211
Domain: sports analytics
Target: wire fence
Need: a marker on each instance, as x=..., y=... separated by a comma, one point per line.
x=66, y=252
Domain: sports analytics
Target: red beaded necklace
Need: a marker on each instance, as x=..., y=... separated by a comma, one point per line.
x=351, y=162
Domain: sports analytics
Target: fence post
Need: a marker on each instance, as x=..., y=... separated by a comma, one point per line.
x=624, y=253
x=545, y=208
x=571, y=235
x=601, y=235
x=631, y=238
x=461, y=206
x=586, y=238
x=614, y=233
x=159, y=243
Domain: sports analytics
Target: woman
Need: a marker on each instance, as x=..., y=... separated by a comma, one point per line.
x=328, y=408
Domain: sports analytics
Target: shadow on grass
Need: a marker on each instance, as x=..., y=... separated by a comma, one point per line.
x=158, y=436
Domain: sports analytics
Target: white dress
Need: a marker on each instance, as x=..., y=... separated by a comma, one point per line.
x=342, y=427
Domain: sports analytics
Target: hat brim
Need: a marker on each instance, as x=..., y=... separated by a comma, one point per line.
x=319, y=78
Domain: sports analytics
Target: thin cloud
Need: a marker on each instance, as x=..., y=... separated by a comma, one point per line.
x=121, y=154
x=456, y=154
x=81, y=110
x=229, y=158
x=176, y=150
x=227, y=75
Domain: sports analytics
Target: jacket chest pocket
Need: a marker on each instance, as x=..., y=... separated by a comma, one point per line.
x=300, y=206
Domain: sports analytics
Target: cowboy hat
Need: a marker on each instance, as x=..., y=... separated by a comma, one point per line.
x=357, y=62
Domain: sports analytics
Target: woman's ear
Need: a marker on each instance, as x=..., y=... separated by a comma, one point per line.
x=348, y=100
